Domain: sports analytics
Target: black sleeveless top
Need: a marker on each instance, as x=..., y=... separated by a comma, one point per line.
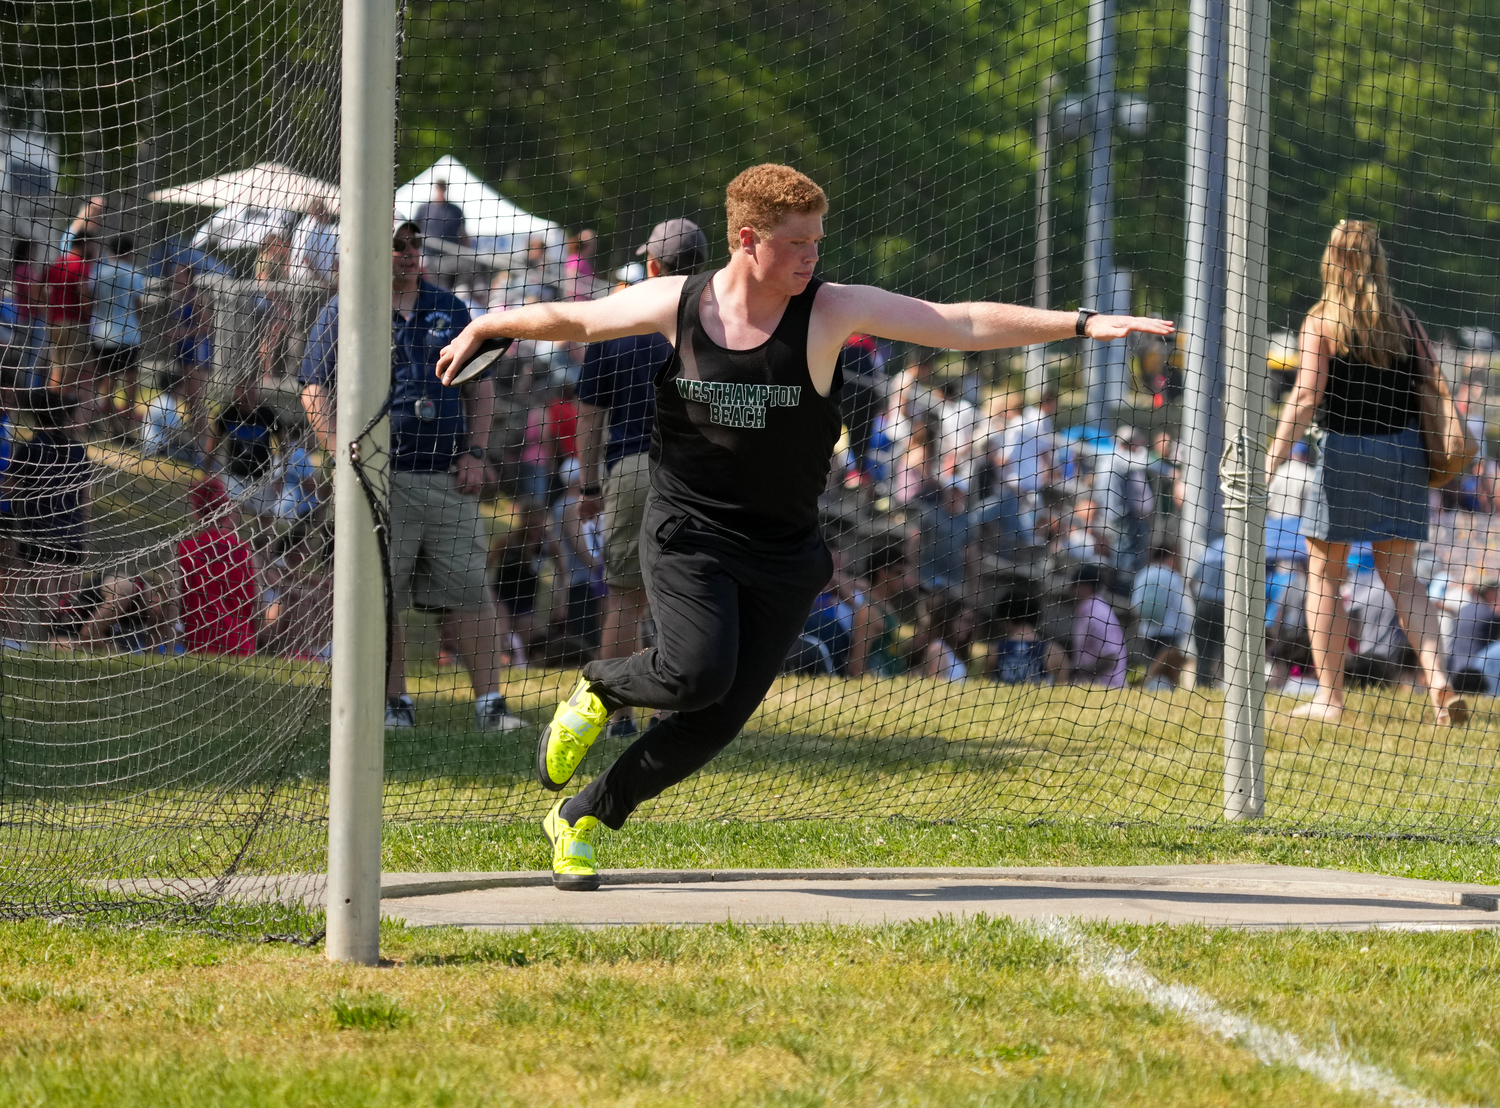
x=1364, y=399
x=742, y=439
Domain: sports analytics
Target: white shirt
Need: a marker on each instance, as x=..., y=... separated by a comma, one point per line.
x=315, y=249
x=1288, y=489
x=1160, y=599
x=1028, y=441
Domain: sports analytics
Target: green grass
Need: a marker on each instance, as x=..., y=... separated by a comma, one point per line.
x=728, y=844
x=149, y=767
x=980, y=1012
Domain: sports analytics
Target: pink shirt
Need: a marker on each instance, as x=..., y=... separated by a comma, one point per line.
x=1097, y=635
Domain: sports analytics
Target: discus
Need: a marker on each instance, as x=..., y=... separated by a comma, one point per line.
x=489, y=351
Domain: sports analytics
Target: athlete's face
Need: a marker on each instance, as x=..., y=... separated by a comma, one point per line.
x=787, y=256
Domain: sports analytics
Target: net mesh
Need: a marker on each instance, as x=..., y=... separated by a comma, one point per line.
x=1026, y=617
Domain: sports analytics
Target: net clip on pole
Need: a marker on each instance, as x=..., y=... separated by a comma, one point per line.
x=354, y=454
x=1242, y=484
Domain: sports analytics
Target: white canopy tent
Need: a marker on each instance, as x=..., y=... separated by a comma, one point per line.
x=267, y=186
x=493, y=222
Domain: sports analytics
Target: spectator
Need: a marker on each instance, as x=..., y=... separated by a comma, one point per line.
x=118, y=287
x=616, y=388
x=215, y=578
x=944, y=540
x=1122, y=494
x=1098, y=656
x=958, y=422
x=1022, y=657
x=1160, y=601
x=1084, y=540
x=578, y=266
x=1288, y=489
x=315, y=247
x=299, y=602
x=944, y=635
x=439, y=462
x=439, y=219
x=245, y=436
x=1476, y=626
x=1363, y=357
x=132, y=615
x=191, y=333
x=1288, y=644
x=68, y=311
x=49, y=479
x=88, y=223
x=859, y=365
x=1382, y=655
x=1208, y=615
x=164, y=430
x=296, y=496
x=1027, y=462
x=574, y=545
x=876, y=647
x=271, y=311
x=28, y=287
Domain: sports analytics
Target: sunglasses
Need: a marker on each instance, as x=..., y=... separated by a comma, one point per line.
x=402, y=243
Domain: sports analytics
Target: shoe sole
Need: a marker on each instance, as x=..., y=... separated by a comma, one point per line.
x=575, y=883
x=541, y=764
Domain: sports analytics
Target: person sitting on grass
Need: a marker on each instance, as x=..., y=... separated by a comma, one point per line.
x=1098, y=656
x=216, y=578
x=1160, y=601
x=944, y=634
x=876, y=647
x=1022, y=657
x=133, y=615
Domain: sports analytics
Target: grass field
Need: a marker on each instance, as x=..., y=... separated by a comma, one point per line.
x=132, y=767
x=942, y=1013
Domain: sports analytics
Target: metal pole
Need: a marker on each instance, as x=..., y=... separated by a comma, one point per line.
x=357, y=730
x=1244, y=409
x=1202, y=321
x=1104, y=363
x=1036, y=354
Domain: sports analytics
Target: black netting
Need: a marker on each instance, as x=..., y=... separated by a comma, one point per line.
x=1027, y=614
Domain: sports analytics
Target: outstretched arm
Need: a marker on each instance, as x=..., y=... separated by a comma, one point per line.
x=639, y=310
x=978, y=325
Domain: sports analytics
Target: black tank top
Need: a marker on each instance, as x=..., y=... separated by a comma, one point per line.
x=742, y=439
x=1364, y=399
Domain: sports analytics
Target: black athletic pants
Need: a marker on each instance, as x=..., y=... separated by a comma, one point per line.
x=726, y=616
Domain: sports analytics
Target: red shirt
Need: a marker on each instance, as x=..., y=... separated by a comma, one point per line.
x=562, y=425
x=218, y=593
x=67, y=290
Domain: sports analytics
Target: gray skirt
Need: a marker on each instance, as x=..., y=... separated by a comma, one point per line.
x=1368, y=488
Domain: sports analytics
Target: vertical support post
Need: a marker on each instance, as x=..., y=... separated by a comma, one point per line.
x=1104, y=367
x=1202, y=322
x=1036, y=354
x=357, y=726
x=1243, y=465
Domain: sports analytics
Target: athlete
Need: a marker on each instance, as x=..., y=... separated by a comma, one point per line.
x=747, y=418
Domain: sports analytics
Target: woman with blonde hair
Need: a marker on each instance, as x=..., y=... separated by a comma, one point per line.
x=1359, y=376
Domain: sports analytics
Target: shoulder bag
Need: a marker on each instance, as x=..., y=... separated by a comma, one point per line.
x=1450, y=447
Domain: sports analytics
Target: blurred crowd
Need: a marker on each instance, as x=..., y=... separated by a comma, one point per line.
x=978, y=533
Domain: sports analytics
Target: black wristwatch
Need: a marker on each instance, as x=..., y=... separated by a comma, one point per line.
x=477, y=452
x=1084, y=315
x=589, y=490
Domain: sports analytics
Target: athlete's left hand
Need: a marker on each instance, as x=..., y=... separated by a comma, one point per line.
x=1107, y=327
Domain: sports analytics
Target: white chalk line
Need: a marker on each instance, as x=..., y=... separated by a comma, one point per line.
x=1335, y=1067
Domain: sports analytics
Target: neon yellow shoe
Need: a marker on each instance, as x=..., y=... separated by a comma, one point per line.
x=578, y=721
x=572, y=850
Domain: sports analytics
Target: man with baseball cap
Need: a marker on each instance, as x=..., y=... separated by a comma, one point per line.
x=617, y=389
x=439, y=440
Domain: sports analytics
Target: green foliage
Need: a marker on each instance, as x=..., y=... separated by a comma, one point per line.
x=917, y=117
